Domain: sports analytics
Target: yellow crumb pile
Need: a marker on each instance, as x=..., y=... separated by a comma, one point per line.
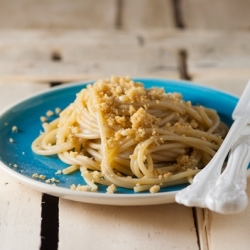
x=121, y=101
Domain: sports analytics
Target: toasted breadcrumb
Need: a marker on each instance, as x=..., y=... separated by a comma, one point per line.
x=35, y=175
x=58, y=111
x=82, y=188
x=73, y=187
x=41, y=176
x=14, y=129
x=43, y=119
x=49, y=113
x=154, y=189
x=111, y=189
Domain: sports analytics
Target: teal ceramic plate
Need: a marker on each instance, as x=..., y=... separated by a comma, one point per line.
x=20, y=162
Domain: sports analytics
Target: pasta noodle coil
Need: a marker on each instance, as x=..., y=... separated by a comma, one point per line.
x=116, y=132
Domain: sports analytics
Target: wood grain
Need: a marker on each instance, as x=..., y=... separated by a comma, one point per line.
x=20, y=206
x=95, y=54
x=213, y=14
x=20, y=215
x=84, y=55
x=149, y=227
x=233, y=229
x=81, y=14
x=147, y=14
x=27, y=65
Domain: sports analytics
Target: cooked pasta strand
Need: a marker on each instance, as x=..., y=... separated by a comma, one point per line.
x=117, y=132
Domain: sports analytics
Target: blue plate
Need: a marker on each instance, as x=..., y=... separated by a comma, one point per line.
x=18, y=159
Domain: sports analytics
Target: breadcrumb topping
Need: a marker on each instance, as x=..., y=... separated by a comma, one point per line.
x=49, y=113
x=130, y=110
x=111, y=189
x=118, y=99
x=154, y=189
x=14, y=129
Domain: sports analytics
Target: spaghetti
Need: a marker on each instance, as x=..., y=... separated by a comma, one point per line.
x=117, y=133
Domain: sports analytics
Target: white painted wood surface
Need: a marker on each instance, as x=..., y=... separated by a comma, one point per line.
x=84, y=54
x=216, y=14
x=147, y=14
x=27, y=55
x=111, y=227
x=26, y=66
x=229, y=231
x=20, y=206
x=129, y=14
x=46, y=14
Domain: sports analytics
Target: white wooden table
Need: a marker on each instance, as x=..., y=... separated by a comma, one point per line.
x=34, y=60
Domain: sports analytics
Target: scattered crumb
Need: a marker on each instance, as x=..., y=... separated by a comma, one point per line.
x=111, y=189
x=166, y=175
x=96, y=175
x=154, y=189
x=45, y=125
x=58, y=172
x=54, y=180
x=58, y=111
x=81, y=187
x=14, y=129
x=15, y=165
x=73, y=187
x=43, y=119
x=11, y=140
x=49, y=113
x=35, y=175
x=41, y=176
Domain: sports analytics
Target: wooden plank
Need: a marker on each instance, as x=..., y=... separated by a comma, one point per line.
x=222, y=63
x=20, y=206
x=12, y=91
x=88, y=14
x=29, y=14
x=97, y=54
x=20, y=217
x=82, y=56
x=148, y=227
x=214, y=227
x=147, y=14
x=230, y=80
x=233, y=229
x=214, y=58
x=91, y=54
x=213, y=14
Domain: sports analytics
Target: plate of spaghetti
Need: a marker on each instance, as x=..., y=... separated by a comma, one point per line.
x=118, y=141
